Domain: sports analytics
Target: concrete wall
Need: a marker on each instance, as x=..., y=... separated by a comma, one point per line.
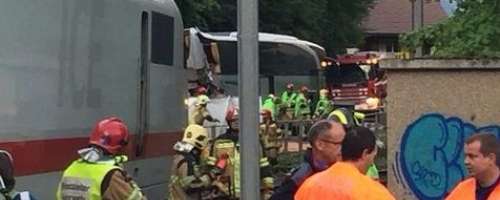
x=433, y=105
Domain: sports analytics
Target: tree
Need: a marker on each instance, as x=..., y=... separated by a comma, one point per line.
x=472, y=32
x=334, y=24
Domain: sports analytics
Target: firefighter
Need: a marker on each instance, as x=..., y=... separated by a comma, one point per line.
x=302, y=108
x=270, y=136
x=324, y=105
x=200, y=112
x=483, y=165
x=271, y=103
x=351, y=119
x=98, y=173
x=8, y=181
x=225, y=162
x=189, y=179
x=287, y=105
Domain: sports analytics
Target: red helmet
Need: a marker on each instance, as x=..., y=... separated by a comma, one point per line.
x=232, y=114
x=201, y=90
x=111, y=134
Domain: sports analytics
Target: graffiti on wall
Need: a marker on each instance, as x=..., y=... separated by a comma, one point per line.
x=430, y=159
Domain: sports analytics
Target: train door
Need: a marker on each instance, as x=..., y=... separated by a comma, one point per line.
x=142, y=118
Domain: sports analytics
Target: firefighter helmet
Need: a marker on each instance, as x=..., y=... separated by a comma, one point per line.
x=196, y=135
x=266, y=113
x=201, y=90
x=111, y=134
x=232, y=114
x=323, y=92
x=289, y=86
x=202, y=100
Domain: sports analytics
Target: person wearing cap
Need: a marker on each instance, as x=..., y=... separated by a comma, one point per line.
x=200, y=112
x=325, y=137
x=99, y=173
x=346, y=179
x=7, y=180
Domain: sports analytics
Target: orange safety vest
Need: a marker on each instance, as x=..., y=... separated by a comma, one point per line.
x=466, y=190
x=342, y=181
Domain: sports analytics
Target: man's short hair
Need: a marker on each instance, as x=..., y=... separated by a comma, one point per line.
x=318, y=128
x=356, y=140
x=489, y=144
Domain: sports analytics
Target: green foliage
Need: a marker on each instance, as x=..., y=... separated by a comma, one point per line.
x=472, y=32
x=334, y=24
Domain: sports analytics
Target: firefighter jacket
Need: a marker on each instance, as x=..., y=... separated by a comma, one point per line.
x=225, y=157
x=466, y=190
x=342, y=181
x=302, y=106
x=270, y=135
x=199, y=115
x=189, y=179
x=103, y=179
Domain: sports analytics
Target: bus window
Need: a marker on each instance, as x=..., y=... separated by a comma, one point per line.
x=162, y=41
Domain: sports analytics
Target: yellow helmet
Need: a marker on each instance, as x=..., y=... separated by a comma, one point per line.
x=202, y=100
x=196, y=135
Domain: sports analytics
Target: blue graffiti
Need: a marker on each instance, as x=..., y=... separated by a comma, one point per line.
x=431, y=157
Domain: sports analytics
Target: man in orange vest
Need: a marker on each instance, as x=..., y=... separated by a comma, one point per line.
x=346, y=179
x=482, y=161
x=325, y=137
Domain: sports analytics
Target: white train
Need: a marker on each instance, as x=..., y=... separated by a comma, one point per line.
x=64, y=64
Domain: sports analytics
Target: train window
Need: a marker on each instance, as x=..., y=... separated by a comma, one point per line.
x=162, y=41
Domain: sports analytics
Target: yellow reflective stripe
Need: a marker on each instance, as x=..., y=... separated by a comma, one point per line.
x=136, y=194
x=225, y=145
x=267, y=182
x=211, y=160
x=264, y=162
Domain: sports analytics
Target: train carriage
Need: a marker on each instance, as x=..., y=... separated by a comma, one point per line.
x=64, y=64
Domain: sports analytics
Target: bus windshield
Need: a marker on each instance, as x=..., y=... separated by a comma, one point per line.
x=345, y=74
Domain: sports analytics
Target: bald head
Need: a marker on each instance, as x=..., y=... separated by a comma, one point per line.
x=326, y=137
x=321, y=129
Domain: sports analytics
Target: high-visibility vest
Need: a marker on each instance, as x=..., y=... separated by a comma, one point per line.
x=466, y=190
x=82, y=180
x=342, y=181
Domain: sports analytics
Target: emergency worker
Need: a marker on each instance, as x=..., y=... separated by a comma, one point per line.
x=200, y=112
x=270, y=136
x=302, y=108
x=7, y=180
x=352, y=119
x=346, y=180
x=271, y=103
x=190, y=180
x=98, y=173
x=287, y=105
x=225, y=161
x=482, y=161
x=324, y=105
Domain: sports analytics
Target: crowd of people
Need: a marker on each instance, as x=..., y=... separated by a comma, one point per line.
x=338, y=165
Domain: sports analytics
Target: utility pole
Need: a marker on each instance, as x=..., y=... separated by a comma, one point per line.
x=248, y=76
x=417, y=21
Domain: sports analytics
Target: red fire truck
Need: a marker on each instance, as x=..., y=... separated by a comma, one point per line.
x=357, y=79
